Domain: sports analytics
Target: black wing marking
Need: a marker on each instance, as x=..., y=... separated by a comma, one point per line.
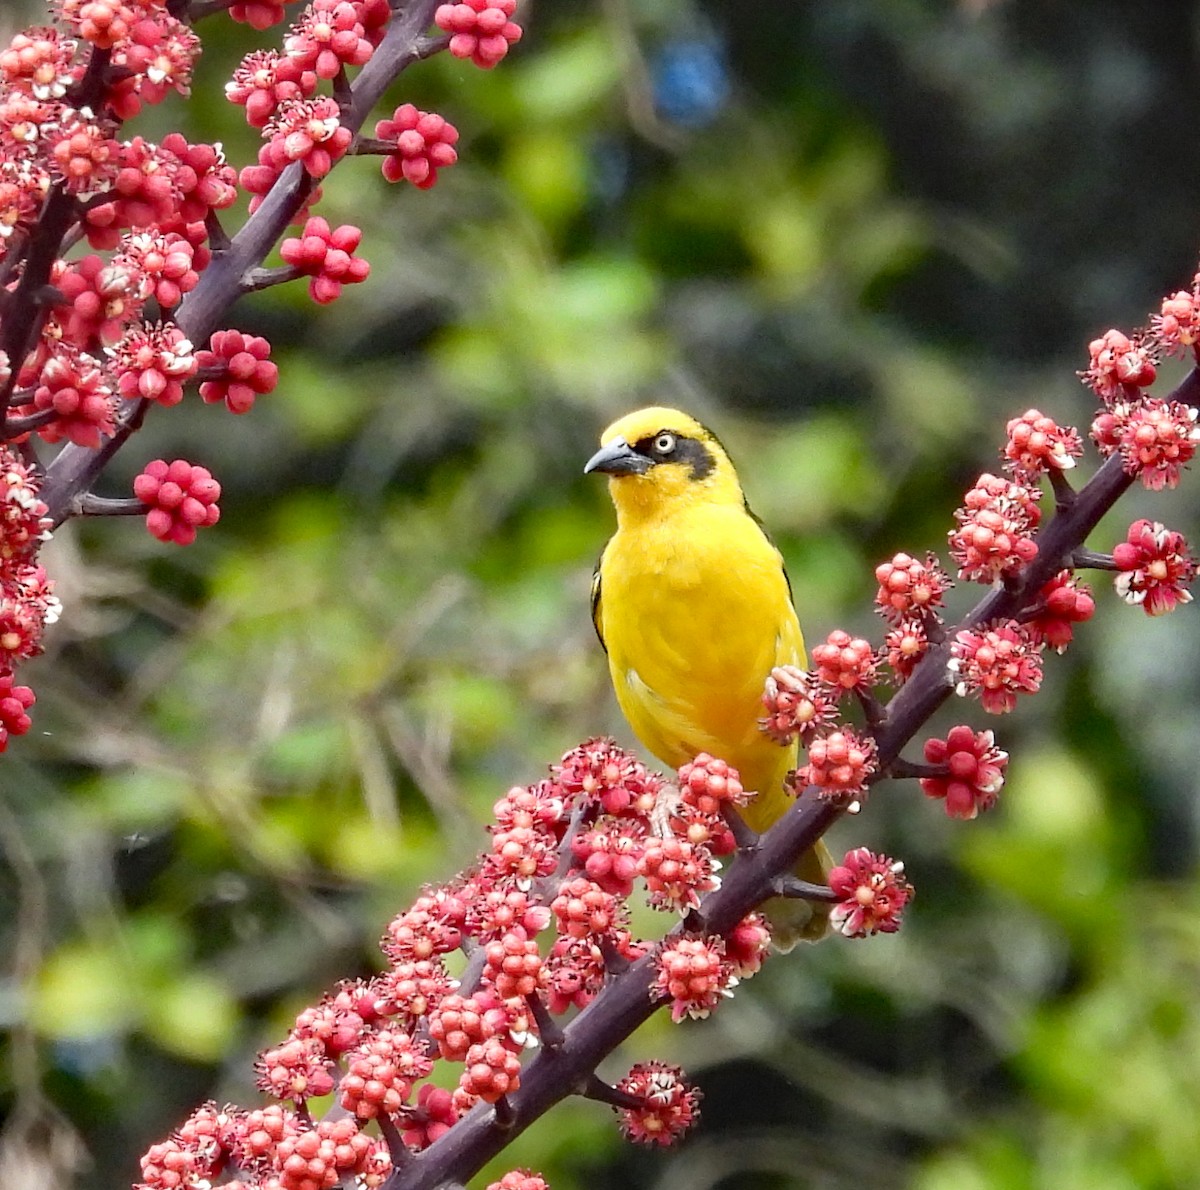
x=596, y=604
x=763, y=530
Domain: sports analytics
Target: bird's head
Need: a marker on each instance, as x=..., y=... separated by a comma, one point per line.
x=659, y=458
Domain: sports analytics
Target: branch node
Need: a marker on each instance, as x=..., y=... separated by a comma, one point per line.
x=263, y=278
x=1086, y=559
x=795, y=889
x=1064, y=494
x=901, y=769
x=397, y=1149
x=505, y=1117
x=549, y=1031
x=596, y=1088
x=873, y=709
x=745, y=838
x=86, y=504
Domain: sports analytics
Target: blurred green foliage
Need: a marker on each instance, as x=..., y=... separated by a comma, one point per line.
x=854, y=237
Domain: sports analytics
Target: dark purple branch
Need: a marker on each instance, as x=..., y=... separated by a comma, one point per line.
x=804, y=890
x=257, y=279
x=89, y=505
x=207, y=8
x=14, y=427
x=25, y=310
x=1090, y=560
x=627, y=1001
x=75, y=468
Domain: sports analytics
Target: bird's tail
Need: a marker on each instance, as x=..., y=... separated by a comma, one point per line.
x=794, y=920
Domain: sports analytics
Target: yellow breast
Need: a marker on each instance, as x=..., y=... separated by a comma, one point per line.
x=695, y=612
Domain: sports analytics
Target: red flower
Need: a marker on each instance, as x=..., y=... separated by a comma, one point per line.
x=263, y=80
x=577, y=972
x=100, y=299
x=299, y=1069
x=974, y=771
x=585, y=910
x=72, y=385
x=1118, y=365
x=845, y=662
x=694, y=974
x=309, y=131
x=102, y=22
x=492, y=1071
x=872, y=892
x=15, y=702
x=160, y=52
x=182, y=498
x=909, y=588
x=1036, y=444
x=424, y=144
x=1157, y=440
x=840, y=764
x=432, y=1117
x=707, y=783
x=514, y=966
x=607, y=776
x=1155, y=568
x=748, y=944
x=246, y=372
x=258, y=14
x=997, y=664
x=1064, y=602
x=1178, y=326
x=676, y=873
x=327, y=256
x=39, y=62
x=161, y=265
x=796, y=705
x=152, y=360
x=457, y=1023
x=327, y=37
x=380, y=1073
x=670, y=1105
x=479, y=29
x=520, y=1179
x=904, y=646
x=24, y=525
x=996, y=524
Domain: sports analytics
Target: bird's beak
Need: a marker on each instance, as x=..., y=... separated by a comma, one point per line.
x=618, y=458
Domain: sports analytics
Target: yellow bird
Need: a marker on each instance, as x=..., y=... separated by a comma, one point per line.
x=693, y=606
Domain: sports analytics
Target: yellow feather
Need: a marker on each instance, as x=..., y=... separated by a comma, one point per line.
x=692, y=603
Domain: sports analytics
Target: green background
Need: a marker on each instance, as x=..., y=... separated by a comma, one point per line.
x=855, y=238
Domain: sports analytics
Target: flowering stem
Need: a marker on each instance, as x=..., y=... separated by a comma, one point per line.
x=1064, y=494
x=24, y=310
x=802, y=890
x=596, y=1088
x=207, y=8
x=14, y=427
x=1091, y=560
x=549, y=1030
x=75, y=468
x=397, y=1149
x=89, y=505
x=367, y=146
x=629, y=999
x=256, y=279
x=901, y=769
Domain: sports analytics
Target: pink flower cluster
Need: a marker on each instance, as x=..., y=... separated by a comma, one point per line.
x=549, y=924
x=107, y=339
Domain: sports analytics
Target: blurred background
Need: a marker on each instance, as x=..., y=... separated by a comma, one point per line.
x=855, y=238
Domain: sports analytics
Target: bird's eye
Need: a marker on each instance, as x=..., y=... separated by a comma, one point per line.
x=664, y=444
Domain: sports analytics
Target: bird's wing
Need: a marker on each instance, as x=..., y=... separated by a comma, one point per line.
x=771, y=541
x=596, y=603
